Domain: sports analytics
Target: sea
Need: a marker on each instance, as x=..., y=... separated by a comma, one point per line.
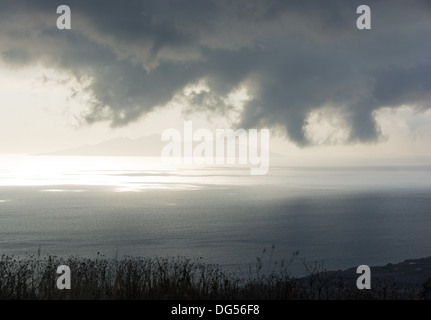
x=295, y=218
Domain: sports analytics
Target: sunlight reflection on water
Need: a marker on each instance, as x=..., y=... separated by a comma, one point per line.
x=138, y=206
x=134, y=174
x=123, y=173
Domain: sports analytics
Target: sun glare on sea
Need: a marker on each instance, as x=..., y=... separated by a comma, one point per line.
x=120, y=174
x=123, y=173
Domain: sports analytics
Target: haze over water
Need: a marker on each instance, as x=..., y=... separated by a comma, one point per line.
x=343, y=216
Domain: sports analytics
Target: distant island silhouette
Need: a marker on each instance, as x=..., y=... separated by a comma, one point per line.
x=148, y=146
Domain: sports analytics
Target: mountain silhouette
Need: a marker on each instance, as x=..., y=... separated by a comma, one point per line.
x=148, y=146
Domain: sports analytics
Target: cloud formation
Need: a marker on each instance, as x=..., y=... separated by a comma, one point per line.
x=293, y=58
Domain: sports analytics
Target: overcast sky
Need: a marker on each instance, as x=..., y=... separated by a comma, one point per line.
x=301, y=68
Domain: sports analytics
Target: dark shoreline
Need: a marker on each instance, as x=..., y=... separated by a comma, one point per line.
x=408, y=280
x=409, y=273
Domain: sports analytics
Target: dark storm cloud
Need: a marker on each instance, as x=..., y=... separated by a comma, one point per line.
x=293, y=57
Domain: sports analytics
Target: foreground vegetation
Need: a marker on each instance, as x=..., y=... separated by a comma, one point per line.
x=173, y=278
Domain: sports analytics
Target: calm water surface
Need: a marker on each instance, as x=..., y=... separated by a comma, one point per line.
x=343, y=216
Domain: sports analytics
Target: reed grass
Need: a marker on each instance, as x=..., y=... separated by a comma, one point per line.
x=179, y=278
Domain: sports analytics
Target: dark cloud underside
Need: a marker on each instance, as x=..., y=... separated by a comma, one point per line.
x=293, y=57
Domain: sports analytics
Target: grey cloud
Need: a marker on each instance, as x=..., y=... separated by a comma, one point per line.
x=294, y=57
x=16, y=56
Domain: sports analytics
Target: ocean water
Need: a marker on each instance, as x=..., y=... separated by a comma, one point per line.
x=338, y=216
